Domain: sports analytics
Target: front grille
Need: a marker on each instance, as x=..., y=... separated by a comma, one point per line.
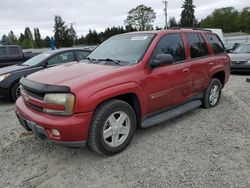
x=238, y=62
x=28, y=93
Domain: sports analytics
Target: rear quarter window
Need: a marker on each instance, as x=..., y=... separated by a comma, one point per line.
x=14, y=51
x=216, y=43
x=3, y=51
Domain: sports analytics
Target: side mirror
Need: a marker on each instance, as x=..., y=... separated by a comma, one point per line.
x=162, y=59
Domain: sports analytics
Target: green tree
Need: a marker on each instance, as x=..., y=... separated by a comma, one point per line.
x=172, y=22
x=141, y=18
x=187, y=14
x=224, y=18
x=37, y=38
x=5, y=40
x=60, y=32
x=72, y=35
x=243, y=20
x=46, y=42
x=12, y=38
x=26, y=39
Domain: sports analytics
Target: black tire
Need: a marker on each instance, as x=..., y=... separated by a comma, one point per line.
x=14, y=92
x=206, y=102
x=100, y=118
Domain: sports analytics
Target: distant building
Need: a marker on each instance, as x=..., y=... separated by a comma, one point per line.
x=236, y=37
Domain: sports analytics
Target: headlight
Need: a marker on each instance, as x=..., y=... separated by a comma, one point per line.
x=248, y=61
x=66, y=100
x=3, y=77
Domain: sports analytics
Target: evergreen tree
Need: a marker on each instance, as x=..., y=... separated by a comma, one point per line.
x=187, y=14
x=172, y=22
x=72, y=35
x=12, y=38
x=46, y=42
x=27, y=41
x=60, y=32
x=5, y=40
x=37, y=39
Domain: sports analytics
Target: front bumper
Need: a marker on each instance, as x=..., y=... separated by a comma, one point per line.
x=73, y=129
x=240, y=67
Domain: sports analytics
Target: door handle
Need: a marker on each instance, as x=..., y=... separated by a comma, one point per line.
x=185, y=70
x=211, y=64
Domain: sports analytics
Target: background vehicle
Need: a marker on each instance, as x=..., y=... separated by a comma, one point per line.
x=230, y=47
x=13, y=54
x=240, y=58
x=10, y=76
x=134, y=79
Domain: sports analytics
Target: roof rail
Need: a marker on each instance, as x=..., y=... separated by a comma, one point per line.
x=201, y=29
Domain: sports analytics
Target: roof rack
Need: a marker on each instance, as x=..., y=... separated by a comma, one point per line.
x=201, y=29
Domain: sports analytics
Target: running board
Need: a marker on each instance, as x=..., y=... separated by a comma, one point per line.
x=169, y=114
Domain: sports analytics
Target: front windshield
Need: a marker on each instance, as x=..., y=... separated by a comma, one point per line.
x=124, y=48
x=243, y=49
x=37, y=59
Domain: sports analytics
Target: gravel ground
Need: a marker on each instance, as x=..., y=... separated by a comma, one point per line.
x=203, y=148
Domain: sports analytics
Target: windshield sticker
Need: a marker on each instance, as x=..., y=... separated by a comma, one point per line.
x=139, y=38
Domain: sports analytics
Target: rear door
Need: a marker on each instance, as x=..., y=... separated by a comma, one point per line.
x=199, y=60
x=168, y=85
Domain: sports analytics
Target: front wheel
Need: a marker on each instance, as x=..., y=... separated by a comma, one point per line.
x=112, y=127
x=212, y=94
x=15, y=92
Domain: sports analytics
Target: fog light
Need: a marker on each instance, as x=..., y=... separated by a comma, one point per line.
x=55, y=132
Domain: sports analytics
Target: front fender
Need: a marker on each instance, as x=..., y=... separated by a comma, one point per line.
x=90, y=103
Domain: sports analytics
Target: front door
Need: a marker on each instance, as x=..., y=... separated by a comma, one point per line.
x=168, y=85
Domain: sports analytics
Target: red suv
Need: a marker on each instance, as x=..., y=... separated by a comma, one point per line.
x=131, y=80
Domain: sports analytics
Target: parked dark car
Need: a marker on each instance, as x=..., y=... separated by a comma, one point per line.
x=240, y=59
x=10, y=76
x=13, y=54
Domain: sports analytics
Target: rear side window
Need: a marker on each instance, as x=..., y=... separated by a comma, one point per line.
x=81, y=55
x=198, y=47
x=171, y=44
x=3, y=51
x=216, y=43
x=61, y=58
x=14, y=51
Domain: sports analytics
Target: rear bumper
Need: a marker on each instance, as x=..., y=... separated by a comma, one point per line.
x=73, y=129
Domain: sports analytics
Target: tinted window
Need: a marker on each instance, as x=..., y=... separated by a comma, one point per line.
x=14, y=51
x=3, y=51
x=81, y=55
x=198, y=47
x=216, y=43
x=61, y=58
x=171, y=44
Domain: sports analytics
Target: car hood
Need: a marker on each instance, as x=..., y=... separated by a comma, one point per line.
x=11, y=69
x=73, y=74
x=239, y=57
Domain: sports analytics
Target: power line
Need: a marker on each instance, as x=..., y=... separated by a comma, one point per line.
x=166, y=13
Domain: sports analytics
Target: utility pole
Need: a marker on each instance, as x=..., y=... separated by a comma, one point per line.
x=166, y=13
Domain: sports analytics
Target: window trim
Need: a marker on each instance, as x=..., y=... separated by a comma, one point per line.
x=177, y=62
x=201, y=57
x=211, y=44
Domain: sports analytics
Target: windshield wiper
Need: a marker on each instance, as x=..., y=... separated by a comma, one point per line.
x=118, y=62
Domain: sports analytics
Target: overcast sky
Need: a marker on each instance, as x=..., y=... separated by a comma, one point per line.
x=91, y=14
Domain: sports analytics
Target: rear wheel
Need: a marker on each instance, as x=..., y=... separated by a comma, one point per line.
x=15, y=92
x=112, y=127
x=212, y=94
